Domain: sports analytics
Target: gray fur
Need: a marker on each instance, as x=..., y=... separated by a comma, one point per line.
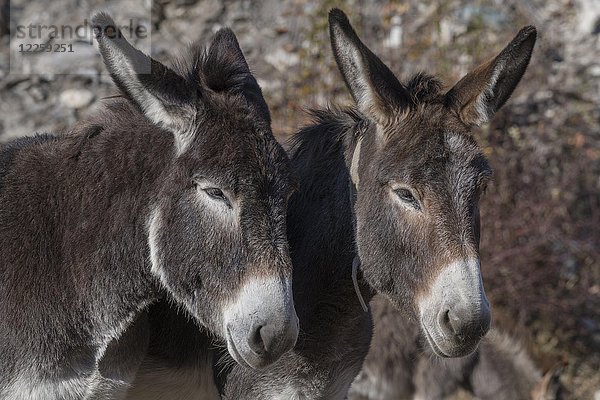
x=82, y=254
x=414, y=140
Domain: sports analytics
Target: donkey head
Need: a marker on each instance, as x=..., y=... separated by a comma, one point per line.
x=419, y=176
x=216, y=227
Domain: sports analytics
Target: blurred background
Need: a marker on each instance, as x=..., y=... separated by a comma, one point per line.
x=540, y=216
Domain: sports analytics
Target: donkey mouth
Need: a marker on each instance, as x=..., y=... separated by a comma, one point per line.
x=247, y=357
x=454, y=347
x=237, y=356
x=433, y=345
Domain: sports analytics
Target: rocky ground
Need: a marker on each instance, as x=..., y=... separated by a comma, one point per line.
x=541, y=241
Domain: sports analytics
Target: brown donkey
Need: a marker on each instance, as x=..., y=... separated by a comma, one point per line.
x=178, y=191
x=398, y=368
x=403, y=168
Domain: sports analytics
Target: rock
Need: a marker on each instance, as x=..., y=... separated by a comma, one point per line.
x=282, y=60
x=76, y=98
x=394, y=39
x=180, y=3
x=37, y=93
x=594, y=70
x=281, y=29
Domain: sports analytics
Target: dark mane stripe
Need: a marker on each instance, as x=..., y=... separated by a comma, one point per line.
x=325, y=135
x=217, y=70
x=329, y=126
x=424, y=88
x=222, y=70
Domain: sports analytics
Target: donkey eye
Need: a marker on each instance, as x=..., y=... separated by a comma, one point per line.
x=217, y=194
x=405, y=195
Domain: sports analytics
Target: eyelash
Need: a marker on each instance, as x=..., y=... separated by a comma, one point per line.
x=214, y=193
x=407, y=196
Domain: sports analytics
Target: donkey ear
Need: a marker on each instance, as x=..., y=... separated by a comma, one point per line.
x=226, y=70
x=225, y=67
x=162, y=95
x=480, y=93
x=375, y=89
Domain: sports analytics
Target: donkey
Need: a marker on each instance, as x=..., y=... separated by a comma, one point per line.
x=178, y=191
x=400, y=177
x=397, y=368
x=392, y=184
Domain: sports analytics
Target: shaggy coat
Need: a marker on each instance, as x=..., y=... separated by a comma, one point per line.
x=393, y=186
x=400, y=176
x=138, y=204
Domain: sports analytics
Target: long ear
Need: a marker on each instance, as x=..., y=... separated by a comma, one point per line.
x=226, y=70
x=163, y=96
x=480, y=93
x=373, y=86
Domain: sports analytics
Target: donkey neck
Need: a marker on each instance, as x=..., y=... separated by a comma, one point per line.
x=321, y=216
x=116, y=201
x=87, y=196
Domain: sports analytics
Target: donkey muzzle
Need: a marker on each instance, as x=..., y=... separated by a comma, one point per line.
x=456, y=314
x=261, y=324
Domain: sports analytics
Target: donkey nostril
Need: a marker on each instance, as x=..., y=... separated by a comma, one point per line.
x=449, y=322
x=455, y=322
x=262, y=339
x=462, y=324
x=256, y=340
x=444, y=321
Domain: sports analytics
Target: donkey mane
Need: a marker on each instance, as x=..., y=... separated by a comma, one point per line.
x=325, y=132
x=221, y=71
x=424, y=88
x=329, y=126
x=218, y=70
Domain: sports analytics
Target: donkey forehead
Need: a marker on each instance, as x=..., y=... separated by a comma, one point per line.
x=240, y=162
x=434, y=158
x=468, y=166
x=464, y=151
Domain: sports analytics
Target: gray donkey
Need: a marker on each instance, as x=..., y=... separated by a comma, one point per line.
x=176, y=191
x=397, y=367
x=404, y=166
x=394, y=185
